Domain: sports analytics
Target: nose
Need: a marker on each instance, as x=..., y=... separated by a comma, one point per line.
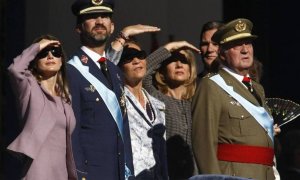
x=211, y=47
x=178, y=63
x=50, y=55
x=99, y=20
x=135, y=60
x=245, y=48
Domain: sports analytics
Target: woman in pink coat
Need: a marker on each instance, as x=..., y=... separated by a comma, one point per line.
x=39, y=83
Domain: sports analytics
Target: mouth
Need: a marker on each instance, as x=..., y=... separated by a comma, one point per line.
x=50, y=63
x=179, y=73
x=245, y=58
x=138, y=68
x=210, y=56
x=99, y=28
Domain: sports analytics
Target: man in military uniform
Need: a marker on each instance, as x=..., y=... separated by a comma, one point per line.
x=232, y=131
x=101, y=140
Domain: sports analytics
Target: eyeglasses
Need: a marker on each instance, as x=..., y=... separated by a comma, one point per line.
x=55, y=51
x=130, y=53
x=177, y=56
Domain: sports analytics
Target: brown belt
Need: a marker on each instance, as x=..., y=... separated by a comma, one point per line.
x=246, y=154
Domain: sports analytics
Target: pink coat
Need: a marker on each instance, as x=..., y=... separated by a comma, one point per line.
x=39, y=112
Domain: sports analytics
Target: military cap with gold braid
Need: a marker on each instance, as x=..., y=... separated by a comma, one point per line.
x=82, y=7
x=234, y=30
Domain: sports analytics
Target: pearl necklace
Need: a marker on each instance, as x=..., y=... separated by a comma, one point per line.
x=149, y=109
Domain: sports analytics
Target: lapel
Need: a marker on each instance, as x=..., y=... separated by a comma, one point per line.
x=93, y=68
x=132, y=99
x=114, y=75
x=259, y=91
x=238, y=87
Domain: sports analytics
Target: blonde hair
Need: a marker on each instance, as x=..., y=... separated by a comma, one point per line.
x=61, y=86
x=160, y=76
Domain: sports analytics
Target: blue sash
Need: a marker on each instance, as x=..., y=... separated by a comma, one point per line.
x=108, y=97
x=259, y=113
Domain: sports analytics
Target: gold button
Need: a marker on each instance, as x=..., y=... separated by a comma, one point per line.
x=97, y=99
x=83, y=178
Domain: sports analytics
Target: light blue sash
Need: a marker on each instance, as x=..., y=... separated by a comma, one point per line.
x=106, y=94
x=108, y=97
x=259, y=113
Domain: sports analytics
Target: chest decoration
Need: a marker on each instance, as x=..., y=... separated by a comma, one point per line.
x=91, y=88
x=119, y=78
x=84, y=59
x=123, y=101
x=235, y=103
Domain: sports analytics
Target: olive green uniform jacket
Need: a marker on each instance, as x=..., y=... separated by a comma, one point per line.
x=218, y=118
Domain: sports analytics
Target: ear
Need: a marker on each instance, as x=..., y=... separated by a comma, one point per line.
x=112, y=28
x=78, y=28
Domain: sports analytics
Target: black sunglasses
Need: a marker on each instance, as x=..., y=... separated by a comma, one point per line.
x=176, y=56
x=130, y=53
x=55, y=51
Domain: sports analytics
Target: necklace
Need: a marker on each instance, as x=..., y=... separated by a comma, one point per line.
x=149, y=109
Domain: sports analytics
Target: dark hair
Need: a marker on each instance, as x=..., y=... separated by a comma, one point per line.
x=61, y=83
x=209, y=26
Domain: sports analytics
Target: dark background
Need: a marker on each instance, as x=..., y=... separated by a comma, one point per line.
x=274, y=21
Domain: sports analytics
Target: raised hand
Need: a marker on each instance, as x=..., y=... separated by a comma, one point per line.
x=138, y=29
x=132, y=30
x=45, y=42
x=176, y=45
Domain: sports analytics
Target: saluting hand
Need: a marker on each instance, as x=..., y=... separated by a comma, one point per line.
x=45, y=42
x=176, y=45
x=138, y=29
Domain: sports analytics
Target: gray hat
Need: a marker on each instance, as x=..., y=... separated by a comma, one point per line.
x=234, y=30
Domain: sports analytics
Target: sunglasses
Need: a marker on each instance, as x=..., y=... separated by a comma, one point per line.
x=55, y=51
x=130, y=53
x=176, y=56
